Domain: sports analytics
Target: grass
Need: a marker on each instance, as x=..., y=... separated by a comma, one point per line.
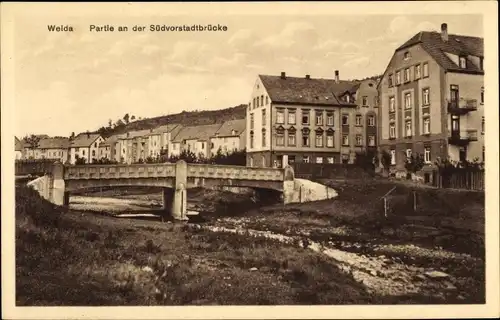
x=75, y=259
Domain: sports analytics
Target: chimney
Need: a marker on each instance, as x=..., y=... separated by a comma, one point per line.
x=283, y=75
x=88, y=135
x=444, y=32
x=336, y=76
x=308, y=76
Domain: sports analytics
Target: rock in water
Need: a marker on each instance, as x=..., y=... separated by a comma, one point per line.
x=436, y=274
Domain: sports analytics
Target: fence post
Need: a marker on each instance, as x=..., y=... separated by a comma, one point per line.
x=414, y=201
x=300, y=194
x=385, y=207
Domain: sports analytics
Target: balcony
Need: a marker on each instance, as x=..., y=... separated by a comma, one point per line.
x=462, y=137
x=462, y=106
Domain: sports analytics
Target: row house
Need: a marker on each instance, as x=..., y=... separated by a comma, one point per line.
x=159, y=139
x=194, y=139
x=303, y=119
x=134, y=146
x=230, y=137
x=49, y=148
x=432, y=99
x=85, y=146
x=111, y=148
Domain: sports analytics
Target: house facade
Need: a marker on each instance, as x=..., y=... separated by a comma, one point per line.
x=230, y=137
x=159, y=139
x=85, y=146
x=18, y=149
x=49, y=148
x=194, y=139
x=291, y=119
x=432, y=99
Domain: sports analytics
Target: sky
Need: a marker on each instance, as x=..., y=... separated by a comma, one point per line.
x=77, y=81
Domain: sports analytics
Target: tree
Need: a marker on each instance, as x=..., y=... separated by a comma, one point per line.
x=80, y=161
x=126, y=118
x=72, y=136
x=32, y=141
x=385, y=159
x=132, y=118
x=110, y=123
x=366, y=159
x=414, y=163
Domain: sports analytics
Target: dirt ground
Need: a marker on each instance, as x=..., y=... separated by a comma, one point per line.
x=429, y=247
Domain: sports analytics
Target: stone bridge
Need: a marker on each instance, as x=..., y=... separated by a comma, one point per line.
x=174, y=178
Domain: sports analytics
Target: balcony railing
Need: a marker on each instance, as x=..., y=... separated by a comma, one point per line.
x=462, y=106
x=463, y=137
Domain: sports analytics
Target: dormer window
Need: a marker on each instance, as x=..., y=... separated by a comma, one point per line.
x=406, y=55
x=347, y=98
x=463, y=62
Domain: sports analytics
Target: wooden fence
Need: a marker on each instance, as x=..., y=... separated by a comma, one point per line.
x=330, y=171
x=460, y=179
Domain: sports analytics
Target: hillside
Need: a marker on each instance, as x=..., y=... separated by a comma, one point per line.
x=191, y=118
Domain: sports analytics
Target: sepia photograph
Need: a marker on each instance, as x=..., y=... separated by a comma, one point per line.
x=285, y=155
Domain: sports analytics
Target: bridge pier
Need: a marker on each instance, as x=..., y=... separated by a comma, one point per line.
x=58, y=194
x=179, y=205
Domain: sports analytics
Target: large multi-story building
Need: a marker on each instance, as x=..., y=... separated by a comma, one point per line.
x=160, y=137
x=230, y=137
x=85, y=146
x=292, y=119
x=432, y=99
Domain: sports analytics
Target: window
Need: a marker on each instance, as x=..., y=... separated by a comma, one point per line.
x=463, y=62
x=393, y=157
x=263, y=161
x=408, y=128
x=390, y=80
x=329, y=160
x=425, y=96
x=83, y=152
x=305, y=159
x=359, y=140
x=251, y=121
x=407, y=100
x=291, y=138
x=392, y=104
x=319, y=140
x=398, y=77
x=291, y=159
x=408, y=153
x=251, y=161
x=305, y=139
x=305, y=116
x=358, y=120
x=257, y=101
x=95, y=144
x=319, y=118
x=345, y=120
x=280, y=139
x=329, y=141
x=406, y=55
x=365, y=101
x=319, y=159
x=427, y=126
x=427, y=155
x=426, y=70
x=345, y=140
x=482, y=125
x=392, y=130
x=417, y=71
x=263, y=138
x=280, y=116
x=263, y=117
x=375, y=101
x=254, y=104
x=348, y=98
x=371, y=140
x=329, y=119
x=482, y=95
x=371, y=121
x=484, y=159
x=407, y=75
x=291, y=116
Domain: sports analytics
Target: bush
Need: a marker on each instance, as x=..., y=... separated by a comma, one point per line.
x=30, y=205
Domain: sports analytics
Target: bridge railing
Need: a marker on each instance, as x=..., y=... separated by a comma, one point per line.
x=33, y=166
x=234, y=172
x=119, y=171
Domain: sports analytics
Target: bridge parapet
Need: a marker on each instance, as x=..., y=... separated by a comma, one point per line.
x=120, y=171
x=234, y=172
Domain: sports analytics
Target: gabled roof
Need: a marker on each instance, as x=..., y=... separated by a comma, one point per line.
x=163, y=129
x=84, y=139
x=196, y=132
x=226, y=130
x=433, y=44
x=136, y=134
x=53, y=143
x=18, y=144
x=112, y=139
x=294, y=90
